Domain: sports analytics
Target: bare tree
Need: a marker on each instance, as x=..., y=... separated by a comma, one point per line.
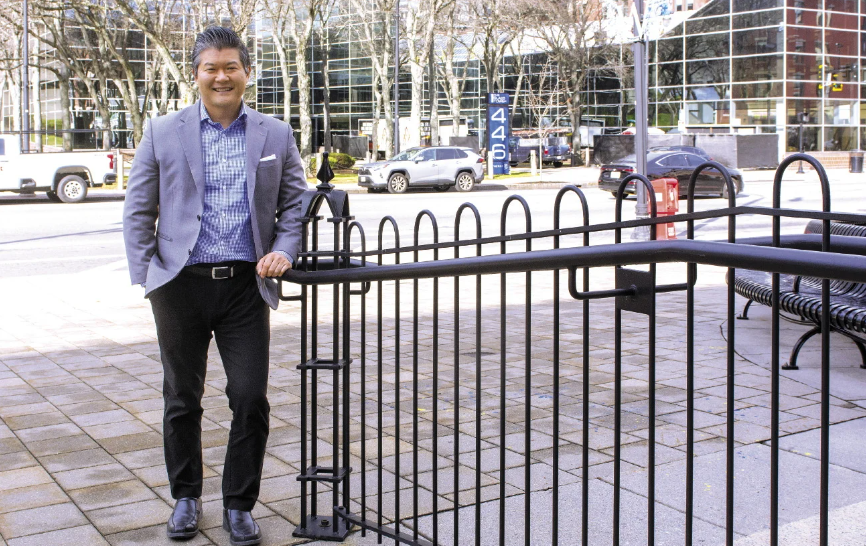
x=10, y=63
x=578, y=37
x=419, y=30
x=453, y=55
x=292, y=24
x=494, y=25
x=542, y=98
x=375, y=27
x=326, y=33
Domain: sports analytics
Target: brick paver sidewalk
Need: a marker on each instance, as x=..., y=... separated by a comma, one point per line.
x=80, y=440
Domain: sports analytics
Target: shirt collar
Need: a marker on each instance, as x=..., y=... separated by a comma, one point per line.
x=206, y=117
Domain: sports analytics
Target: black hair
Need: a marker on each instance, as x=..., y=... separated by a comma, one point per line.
x=219, y=38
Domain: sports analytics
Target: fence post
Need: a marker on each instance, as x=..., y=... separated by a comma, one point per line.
x=329, y=525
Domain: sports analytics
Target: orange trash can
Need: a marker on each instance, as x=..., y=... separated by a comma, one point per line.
x=667, y=204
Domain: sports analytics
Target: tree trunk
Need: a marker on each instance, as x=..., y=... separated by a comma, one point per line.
x=324, y=55
x=37, y=106
x=434, y=99
x=164, y=85
x=326, y=100
x=304, y=104
x=377, y=110
x=65, y=109
x=105, y=113
x=187, y=94
x=417, y=71
x=287, y=79
x=575, y=113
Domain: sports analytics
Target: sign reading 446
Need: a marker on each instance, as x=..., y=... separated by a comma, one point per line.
x=498, y=132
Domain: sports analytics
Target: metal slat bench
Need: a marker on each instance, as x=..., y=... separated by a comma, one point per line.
x=800, y=298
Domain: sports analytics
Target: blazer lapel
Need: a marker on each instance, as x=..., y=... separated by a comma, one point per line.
x=256, y=136
x=189, y=131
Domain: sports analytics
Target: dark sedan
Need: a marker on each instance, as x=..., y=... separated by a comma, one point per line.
x=669, y=164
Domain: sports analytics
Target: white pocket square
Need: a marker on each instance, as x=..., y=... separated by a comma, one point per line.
x=269, y=158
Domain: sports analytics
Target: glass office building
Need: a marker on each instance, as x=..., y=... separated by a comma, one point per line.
x=764, y=66
x=741, y=66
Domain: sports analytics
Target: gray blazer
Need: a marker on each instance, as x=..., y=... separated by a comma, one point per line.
x=165, y=196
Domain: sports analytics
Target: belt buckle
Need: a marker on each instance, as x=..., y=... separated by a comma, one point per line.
x=223, y=272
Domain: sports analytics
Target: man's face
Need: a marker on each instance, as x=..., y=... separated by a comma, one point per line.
x=221, y=78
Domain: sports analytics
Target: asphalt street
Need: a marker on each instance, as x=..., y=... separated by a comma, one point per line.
x=38, y=237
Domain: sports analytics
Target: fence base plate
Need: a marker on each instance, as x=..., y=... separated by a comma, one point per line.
x=322, y=528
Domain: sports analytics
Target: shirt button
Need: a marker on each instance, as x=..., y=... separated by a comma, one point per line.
x=189, y=251
x=198, y=217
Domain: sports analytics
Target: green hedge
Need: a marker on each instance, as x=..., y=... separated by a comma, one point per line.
x=337, y=161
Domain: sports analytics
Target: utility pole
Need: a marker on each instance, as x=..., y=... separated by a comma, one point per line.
x=640, y=114
x=25, y=83
x=397, y=77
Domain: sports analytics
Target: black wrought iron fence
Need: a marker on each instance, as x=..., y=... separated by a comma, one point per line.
x=465, y=392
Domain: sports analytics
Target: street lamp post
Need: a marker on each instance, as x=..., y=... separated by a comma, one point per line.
x=25, y=82
x=397, y=77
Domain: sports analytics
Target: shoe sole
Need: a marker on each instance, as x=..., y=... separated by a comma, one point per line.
x=252, y=542
x=181, y=534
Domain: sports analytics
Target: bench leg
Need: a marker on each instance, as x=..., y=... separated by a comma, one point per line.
x=792, y=363
x=745, y=314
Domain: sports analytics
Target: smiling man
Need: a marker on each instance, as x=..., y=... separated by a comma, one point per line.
x=211, y=217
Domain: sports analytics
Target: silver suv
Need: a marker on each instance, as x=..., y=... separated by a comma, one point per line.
x=439, y=168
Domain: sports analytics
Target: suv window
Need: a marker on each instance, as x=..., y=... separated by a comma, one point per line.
x=460, y=154
x=445, y=153
x=426, y=155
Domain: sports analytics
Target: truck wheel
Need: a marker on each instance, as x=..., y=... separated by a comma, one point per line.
x=52, y=196
x=465, y=182
x=72, y=189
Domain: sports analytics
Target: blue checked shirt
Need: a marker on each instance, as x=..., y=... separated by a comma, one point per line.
x=226, y=225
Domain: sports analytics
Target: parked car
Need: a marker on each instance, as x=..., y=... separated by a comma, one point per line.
x=690, y=149
x=63, y=176
x=440, y=168
x=554, y=150
x=669, y=164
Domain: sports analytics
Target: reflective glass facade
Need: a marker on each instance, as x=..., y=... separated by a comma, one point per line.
x=763, y=66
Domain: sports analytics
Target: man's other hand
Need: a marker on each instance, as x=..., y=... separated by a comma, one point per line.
x=273, y=265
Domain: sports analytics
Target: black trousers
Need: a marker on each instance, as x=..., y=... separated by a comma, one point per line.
x=188, y=311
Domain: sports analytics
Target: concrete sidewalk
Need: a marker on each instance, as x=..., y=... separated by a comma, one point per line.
x=80, y=441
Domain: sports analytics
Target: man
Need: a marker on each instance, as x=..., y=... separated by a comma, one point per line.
x=211, y=216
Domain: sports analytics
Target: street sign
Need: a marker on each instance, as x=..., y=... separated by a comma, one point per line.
x=498, y=132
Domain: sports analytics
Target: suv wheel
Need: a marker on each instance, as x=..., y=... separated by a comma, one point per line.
x=72, y=189
x=465, y=182
x=557, y=164
x=398, y=183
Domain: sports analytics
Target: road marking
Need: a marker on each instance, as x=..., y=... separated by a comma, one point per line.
x=62, y=259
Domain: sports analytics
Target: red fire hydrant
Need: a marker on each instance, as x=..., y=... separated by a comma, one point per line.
x=667, y=204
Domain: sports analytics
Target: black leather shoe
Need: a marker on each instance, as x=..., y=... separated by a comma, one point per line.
x=184, y=519
x=243, y=529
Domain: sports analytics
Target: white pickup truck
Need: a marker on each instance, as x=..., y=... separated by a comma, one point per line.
x=64, y=176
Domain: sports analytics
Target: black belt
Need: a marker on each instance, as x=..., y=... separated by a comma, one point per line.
x=219, y=271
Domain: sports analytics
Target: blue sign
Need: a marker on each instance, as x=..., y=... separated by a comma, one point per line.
x=498, y=132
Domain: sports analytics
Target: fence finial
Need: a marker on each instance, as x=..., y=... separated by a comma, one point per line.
x=325, y=174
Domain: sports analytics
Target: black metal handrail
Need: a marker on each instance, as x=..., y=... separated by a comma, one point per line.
x=782, y=260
